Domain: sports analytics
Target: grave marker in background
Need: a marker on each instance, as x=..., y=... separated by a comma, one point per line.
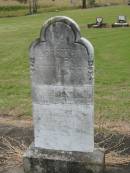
x=121, y=22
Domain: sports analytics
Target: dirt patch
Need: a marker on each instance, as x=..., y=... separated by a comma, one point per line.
x=15, y=136
x=121, y=127
x=14, y=121
x=114, y=142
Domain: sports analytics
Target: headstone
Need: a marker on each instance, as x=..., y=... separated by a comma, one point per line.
x=98, y=24
x=62, y=96
x=121, y=22
x=99, y=20
x=62, y=90
x=122, y=19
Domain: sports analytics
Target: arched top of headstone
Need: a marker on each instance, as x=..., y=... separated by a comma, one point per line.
x=63, y=30
x=60, y=19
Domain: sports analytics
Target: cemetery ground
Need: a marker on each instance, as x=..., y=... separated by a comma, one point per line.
x=112, y=82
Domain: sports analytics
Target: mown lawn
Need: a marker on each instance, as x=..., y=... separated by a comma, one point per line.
x=112, y=61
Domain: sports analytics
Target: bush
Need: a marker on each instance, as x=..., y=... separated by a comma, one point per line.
x=12, y=8
x=91, y=3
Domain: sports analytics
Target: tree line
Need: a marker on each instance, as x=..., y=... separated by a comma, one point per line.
x=33, y=5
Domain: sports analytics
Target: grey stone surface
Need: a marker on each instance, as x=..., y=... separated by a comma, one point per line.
x=53, y=161
x=62, y=87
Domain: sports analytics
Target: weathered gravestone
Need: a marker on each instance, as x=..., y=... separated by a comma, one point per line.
x=62, y=94
x=121, y=22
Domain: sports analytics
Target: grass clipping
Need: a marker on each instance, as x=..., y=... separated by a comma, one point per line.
x=113, y=159
x=11, y=153
x=114, y=155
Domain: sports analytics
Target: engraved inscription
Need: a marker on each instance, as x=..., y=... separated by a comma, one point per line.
x=61, y=94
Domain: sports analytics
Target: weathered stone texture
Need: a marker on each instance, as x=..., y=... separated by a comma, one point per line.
x=62, y=87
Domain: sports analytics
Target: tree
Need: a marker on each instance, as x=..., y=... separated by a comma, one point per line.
x=84, y=3
x=33, y=5
x=90, y=3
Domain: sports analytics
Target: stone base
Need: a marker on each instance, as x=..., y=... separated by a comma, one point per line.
x=51, y=161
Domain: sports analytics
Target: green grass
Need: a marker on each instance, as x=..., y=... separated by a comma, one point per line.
x=112, y=61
